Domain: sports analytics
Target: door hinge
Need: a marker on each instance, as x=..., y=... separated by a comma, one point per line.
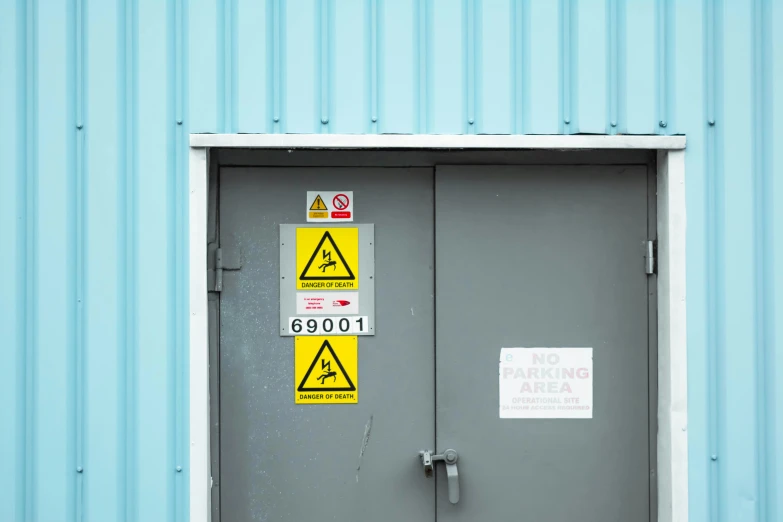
x=226, y=258
x=650, y=257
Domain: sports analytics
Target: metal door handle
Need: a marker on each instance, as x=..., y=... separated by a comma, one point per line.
x=448, y=457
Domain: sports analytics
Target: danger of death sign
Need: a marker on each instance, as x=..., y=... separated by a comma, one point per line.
x=327, y=258
x=326, y=370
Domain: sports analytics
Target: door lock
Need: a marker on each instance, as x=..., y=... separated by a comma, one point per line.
x=448, y=457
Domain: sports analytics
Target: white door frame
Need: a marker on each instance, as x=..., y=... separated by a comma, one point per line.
x=672, y=441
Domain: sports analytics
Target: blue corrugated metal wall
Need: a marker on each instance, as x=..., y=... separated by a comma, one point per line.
x=97, y=98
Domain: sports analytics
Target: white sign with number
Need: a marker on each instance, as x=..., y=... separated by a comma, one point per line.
x=328, y=325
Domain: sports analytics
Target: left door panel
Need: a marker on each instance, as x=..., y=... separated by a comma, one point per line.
x=347, y=462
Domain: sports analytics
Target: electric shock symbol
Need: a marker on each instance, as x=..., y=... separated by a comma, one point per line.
x=326, y=367
x=326, y=257
x=331, y=257
x=340, y=380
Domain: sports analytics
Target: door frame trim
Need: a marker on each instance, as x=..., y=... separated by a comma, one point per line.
x=672, y=438
x=436, y=141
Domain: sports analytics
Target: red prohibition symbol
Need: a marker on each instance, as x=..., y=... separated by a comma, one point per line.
x=340, y=202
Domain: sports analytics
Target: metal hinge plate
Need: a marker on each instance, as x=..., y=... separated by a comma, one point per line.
x=226, y=258
x=650, y=264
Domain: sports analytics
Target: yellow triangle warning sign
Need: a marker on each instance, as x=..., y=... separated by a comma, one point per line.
x=318, y=204
x=327, y=258
x=326, y=369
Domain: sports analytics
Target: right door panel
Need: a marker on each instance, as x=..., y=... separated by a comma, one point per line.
x=543, y=256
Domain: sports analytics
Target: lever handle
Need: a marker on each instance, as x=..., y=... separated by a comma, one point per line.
x=448, y=457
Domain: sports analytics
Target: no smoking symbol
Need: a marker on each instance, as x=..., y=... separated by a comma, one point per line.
x=340, y=202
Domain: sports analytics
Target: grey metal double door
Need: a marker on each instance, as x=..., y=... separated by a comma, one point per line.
x=469, y=260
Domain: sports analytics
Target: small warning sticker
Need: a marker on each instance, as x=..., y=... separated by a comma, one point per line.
x=327, y=258
x=318, y=204
x=324, y=206
x=326, y=370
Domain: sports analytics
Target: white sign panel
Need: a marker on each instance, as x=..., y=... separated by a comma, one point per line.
x=321, y=303
x=328, y=325
x=324, y=206
x=546, y=383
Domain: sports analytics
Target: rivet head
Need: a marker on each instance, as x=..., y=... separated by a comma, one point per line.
x=179, y=469
x=662, y=123
x=613, y=124
x=714, y=457
x=276, y=119
x=711, y=123
x=179, y=122
x=470, y=121
x=324, y=120
x=79, y=469
x=374, y=119
x=567, y=121
x=79, y=126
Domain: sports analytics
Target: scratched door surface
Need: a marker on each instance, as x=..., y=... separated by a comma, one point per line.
x=543, y=257
x=285, y=462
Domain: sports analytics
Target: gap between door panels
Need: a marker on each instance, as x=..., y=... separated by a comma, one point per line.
x=652, y=342
x=435, y=332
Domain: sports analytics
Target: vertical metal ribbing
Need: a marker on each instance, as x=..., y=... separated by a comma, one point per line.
x=277, y=80
x=519, y=16
x=469, y=8
x=662, y=63
x=763, y=275
x=30, y=24
x=566, y=70
x=178, y=62
x=715, y=292
x=324, y=63
x=422, y=21
x=179, y=209
x=128, y=24
x=373, y=30
x=612, y=54
x=79, y=254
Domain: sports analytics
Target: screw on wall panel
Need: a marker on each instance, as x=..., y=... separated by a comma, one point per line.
x=374, y=119
x=470, y=121
x=179, y=469
x=324, y=120
x=714, y=457
x=662, y=123
x=567, y=121
x=613, y=124
x=79, y=469
x=79, y=126
x=711, y=123
x=179, y=122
